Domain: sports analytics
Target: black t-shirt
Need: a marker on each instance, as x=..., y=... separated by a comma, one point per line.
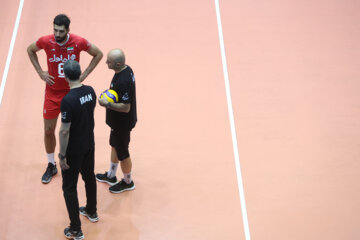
x=78, y=107
x=124, y=84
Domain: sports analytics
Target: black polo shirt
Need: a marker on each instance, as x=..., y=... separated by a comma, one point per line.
x=124, y=84
x=78, y=107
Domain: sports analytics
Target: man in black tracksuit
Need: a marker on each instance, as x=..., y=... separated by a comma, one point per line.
x=77, y=148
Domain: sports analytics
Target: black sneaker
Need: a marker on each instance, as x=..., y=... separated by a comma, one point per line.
x=71, y=234
x=92, y=217
x=51, y=170
x=122, y=186
x=104, y=178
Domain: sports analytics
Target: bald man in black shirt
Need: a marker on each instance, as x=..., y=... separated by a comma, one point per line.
x=121, y=117
x=77, y=148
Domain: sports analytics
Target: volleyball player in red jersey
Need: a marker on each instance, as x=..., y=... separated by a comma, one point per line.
x=59, y=47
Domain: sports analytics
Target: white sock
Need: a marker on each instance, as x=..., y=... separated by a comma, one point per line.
x=127, y=177
x=51, y=158
x=112, y=171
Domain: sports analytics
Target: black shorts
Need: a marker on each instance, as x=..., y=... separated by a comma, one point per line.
x=120, y=139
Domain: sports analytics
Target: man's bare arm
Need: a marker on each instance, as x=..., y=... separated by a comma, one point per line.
x=97, y=56
x=44, y=75
x=118, y=107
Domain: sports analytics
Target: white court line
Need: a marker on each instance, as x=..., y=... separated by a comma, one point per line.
x=232, y=125
x=11, y=49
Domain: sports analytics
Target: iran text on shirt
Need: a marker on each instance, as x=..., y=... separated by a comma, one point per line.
x=86, y=98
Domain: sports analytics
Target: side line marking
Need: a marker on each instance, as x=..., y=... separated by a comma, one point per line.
x=11, y=49
x=232, y=124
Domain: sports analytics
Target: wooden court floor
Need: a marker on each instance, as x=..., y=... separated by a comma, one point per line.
x=294, y=83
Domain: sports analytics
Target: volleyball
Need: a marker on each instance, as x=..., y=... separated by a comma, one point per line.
x=110, y=95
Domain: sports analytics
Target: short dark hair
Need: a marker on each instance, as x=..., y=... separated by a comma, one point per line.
x=72, y=70
x=61, y=20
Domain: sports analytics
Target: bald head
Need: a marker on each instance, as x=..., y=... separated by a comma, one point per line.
x=116, y=59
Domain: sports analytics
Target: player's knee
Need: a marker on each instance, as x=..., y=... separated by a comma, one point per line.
x=49, y=131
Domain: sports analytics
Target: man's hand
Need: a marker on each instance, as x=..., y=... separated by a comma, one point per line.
x=103, y=102
x=63, y=164
x=44, y=75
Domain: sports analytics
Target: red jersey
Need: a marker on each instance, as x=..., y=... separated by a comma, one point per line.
x=57, y=54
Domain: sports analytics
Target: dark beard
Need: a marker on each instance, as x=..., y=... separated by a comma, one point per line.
x=60, y=40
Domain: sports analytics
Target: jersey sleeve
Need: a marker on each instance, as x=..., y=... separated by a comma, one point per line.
x=124, y=91
x=66, y=113
x=84, y=44
x=40, y=43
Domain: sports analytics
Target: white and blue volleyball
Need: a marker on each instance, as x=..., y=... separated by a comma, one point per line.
x=110, y=95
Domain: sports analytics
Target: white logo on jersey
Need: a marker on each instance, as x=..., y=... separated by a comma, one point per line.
x=63, y=115
x=62, y=59
x=125, y=97
x=86, y=98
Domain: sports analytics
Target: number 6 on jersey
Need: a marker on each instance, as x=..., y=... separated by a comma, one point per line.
x=61, y=70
